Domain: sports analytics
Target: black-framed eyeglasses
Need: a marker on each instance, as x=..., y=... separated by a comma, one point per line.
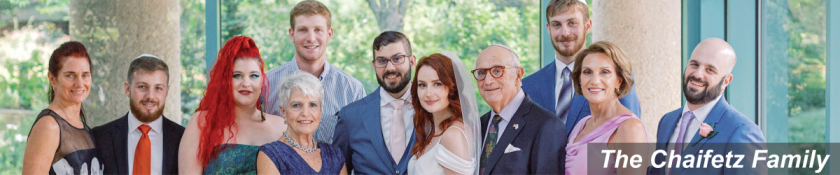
x=380, y=62
x=495, y=71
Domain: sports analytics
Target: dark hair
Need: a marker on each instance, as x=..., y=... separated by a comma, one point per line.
x=309, y=7
x=66, y=50
x=622, y=66
x=422, y=118
x=559, y=6
x=389, y=37
x=147, y=64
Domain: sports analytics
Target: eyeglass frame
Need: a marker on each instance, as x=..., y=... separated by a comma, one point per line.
x=390, y=60
x=485, y=70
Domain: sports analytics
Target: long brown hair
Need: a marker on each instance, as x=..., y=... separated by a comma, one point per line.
x=423, y=119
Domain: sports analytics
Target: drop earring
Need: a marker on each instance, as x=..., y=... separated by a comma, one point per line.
x=262, y=107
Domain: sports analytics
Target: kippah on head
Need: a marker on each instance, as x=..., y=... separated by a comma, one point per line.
x=515, y=56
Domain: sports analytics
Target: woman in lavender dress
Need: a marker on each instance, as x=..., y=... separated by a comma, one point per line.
x=602, y=75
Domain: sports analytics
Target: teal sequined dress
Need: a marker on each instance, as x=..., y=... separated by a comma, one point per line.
x=235, y=159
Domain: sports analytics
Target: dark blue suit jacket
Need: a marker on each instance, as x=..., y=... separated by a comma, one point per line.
x=541, y=84
x=541, y=151
x=736, y=133
x=112, y=145
x=359, y=136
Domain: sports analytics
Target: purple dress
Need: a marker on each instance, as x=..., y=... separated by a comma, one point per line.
x=576, y=152
x=288, y=161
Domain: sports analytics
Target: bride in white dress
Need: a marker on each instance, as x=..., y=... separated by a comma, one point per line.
x=446, y=122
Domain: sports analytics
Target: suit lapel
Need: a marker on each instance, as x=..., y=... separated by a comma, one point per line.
x=578, y=103
x=669, y=122
x=119, y=138
x=374, y=130
x=713, y=117
x=169, y=150
x=551, y=81
x=509, y=134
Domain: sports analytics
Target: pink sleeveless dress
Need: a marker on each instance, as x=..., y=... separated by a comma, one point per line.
x=576, y=152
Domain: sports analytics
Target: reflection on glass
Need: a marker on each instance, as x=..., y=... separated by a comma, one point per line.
x=793, y=68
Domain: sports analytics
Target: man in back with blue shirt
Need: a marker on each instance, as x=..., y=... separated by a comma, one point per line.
x=311, y=32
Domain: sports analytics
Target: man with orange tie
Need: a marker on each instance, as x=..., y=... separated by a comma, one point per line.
x=142, y=141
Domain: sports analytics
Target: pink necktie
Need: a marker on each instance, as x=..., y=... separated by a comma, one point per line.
x=397, y=131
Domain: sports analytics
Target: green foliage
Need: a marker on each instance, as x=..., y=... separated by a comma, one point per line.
x=806, y=55
x=193, y=77
x=13, y=134
x=24, y=55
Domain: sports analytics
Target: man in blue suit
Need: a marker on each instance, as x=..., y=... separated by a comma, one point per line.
x=376, y=133
x=551, y=87
x=520, y=137
x=706, y=77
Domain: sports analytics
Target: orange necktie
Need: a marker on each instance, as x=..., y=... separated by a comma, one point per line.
x=143, y=152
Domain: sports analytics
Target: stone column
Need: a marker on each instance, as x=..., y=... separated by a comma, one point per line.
x=649, y=33
x=117, y=31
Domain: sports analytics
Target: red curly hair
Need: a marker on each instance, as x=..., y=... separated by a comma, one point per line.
x=422, y=118
x=217, y=105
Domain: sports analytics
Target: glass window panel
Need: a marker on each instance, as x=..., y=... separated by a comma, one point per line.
x=793, y=50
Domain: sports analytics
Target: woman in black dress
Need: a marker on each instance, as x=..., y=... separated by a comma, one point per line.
x=60, y=141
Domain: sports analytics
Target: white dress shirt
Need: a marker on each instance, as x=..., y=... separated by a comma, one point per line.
x=506, y=114
x=386, y=113
x=155, y=138
x=699, y=115
x=558, y=83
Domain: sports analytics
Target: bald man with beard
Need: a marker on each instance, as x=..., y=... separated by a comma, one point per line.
x=708, y=74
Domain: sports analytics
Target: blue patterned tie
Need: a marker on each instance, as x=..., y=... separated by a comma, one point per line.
x=564, y=99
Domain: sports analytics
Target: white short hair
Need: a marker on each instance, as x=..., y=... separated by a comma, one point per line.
x=306, y=83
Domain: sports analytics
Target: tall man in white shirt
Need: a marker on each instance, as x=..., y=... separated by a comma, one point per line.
x=142, y=141
x=376, y=133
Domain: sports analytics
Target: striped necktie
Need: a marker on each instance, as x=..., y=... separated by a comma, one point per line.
x=564, y=99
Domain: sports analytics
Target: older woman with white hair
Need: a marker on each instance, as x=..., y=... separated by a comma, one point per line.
x=297, y=152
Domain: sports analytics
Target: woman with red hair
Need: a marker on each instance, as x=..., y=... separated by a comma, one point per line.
x=60, y=141
x=446, y=118
x=228, y=128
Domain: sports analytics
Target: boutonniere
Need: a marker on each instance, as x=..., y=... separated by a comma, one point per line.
x=707, y=131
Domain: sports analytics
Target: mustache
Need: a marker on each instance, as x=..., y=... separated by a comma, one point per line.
x=695, y=79
x=388, y=73
x=149, y=100
x=566, y=38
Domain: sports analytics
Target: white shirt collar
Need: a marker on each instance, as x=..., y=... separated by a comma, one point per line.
x=133, y=123
x=511, y=107
x=386, y=98
x=560, y=65
x=701, y=113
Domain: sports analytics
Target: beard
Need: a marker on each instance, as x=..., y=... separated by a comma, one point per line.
x=695, y=96
x=567, y=53
x=143, y=115
x=395, y=87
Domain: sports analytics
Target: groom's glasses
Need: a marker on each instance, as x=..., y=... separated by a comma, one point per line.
x=380, y=62
x=495, y=71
